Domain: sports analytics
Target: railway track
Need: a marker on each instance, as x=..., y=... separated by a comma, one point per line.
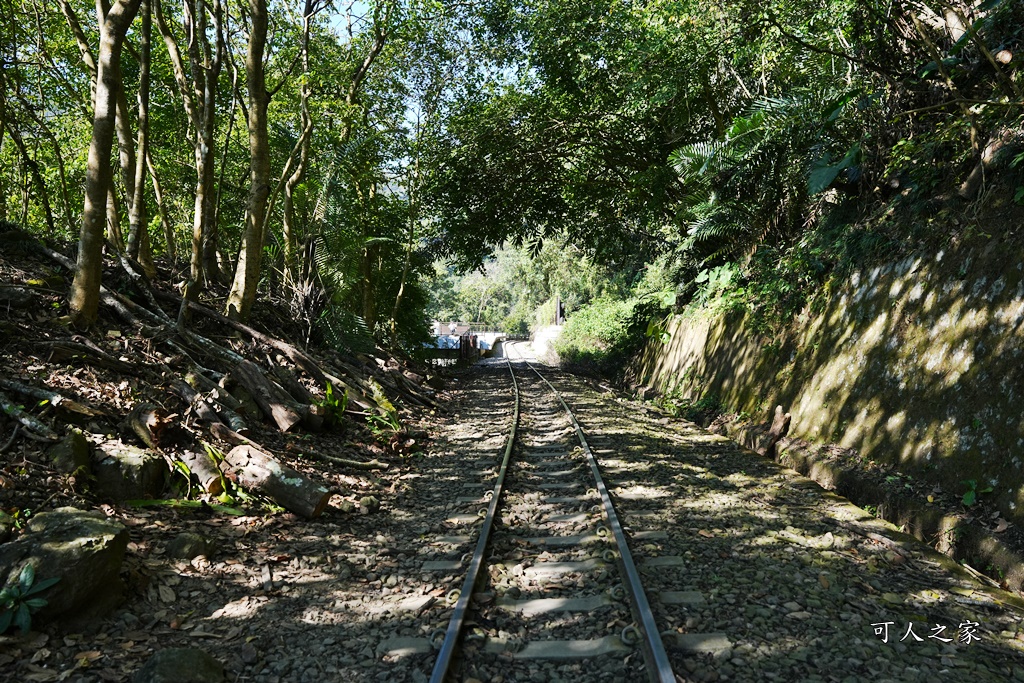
x=754, y=573
x=551, y=576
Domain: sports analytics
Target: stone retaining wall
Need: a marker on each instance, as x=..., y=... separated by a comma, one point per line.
x=917, y=364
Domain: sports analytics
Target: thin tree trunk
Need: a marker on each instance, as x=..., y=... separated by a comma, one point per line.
x=114, y=216
x=28, y=162
x=247, y=270
x=289, y=229
x=65, y=195
x=85, y=289
x=32, y=168
x=3, y=184
x=199, y=92
x=172, y=248
x=413, y=203
x=227, y=144
x=137, y=215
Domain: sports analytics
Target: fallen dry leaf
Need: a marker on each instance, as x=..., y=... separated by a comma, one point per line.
x=90, y=655
x=167, y=594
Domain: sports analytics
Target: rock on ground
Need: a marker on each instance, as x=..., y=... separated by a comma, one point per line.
x=83, y=548
x=72, y=454
x=181, y=665
x=126, y=472
x=188, y=545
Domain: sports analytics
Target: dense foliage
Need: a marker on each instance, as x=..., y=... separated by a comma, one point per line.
x=752, y=150
x=360, y=155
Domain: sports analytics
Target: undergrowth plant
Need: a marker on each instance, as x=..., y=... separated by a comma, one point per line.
x=20, y=600
x=970, y=496
x=334, y=404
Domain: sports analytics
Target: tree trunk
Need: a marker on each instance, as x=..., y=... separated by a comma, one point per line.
x=85, y=289
x=58, y=155
x=289, y=235
x=172, y=248
x=247, y=270
x=3, y=185
x=199, y=92
x=137, y=213
x=293, y=491
x=28, y=162
x=114, y=216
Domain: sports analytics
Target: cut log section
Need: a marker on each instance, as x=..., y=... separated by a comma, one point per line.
x=272, y=400
x=205, y=470
x=203, y=410
x=151, y=424
x=293, y=491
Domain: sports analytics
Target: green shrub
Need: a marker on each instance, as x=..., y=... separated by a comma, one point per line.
x=602, y=337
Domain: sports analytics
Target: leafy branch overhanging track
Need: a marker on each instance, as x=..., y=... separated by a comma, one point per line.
x=658, y=666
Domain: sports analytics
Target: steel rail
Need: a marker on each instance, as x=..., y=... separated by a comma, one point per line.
x=451, y=638
x=654, y=647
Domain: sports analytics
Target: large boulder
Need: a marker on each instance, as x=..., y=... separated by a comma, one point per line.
x=181, y=665
x=126, y=472
x=84, y=549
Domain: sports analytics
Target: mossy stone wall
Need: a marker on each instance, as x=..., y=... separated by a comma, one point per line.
x=918, y=363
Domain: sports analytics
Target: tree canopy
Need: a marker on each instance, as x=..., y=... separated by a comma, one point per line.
x=327, y=153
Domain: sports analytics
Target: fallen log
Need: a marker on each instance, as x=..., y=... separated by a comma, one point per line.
x=205, y=470
x=151, y=424
x=254, y=469
x=52, y=397
x=225, y=433
x=292, y=385
x=300, y=358
x=200, y=382
x=272, y=400
x=63, y=349
x=219, y=411
x=202, y=409
x=36, y=427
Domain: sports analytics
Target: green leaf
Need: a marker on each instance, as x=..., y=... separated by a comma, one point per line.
x=969, y=498
x=823, y=173
x=43, y=585
x=5, y=620
x=36, y=603
x=23, y=619
x=27, y=577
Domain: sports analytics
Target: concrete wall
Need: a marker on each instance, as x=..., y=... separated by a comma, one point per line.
x=918, y=363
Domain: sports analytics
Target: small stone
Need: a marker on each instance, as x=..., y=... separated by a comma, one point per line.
x=368, y=504
x=249, y=653
x=188, y=545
